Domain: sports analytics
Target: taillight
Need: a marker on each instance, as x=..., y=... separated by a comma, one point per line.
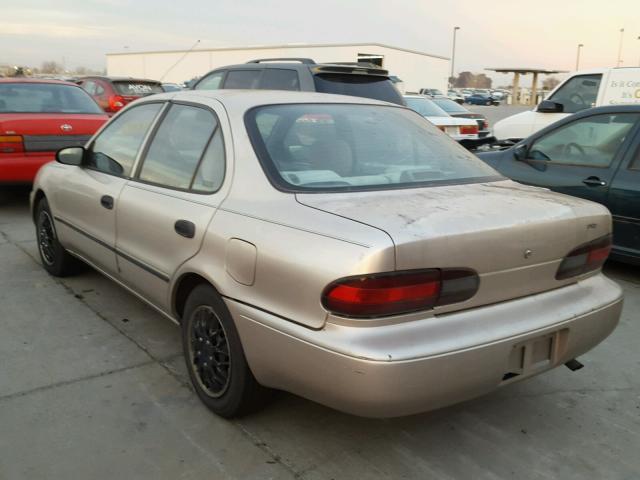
x=469, y=129
x=116, y=102
x=11, y=144
x=586, y=258
x=394, y=293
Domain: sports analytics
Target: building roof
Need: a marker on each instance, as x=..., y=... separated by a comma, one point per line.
x=290, y=45
x=526, y=70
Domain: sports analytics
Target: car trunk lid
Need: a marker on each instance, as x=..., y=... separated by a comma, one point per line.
x=514, y=236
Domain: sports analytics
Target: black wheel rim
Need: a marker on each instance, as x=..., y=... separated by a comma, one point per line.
x=209, y=351
x=46, y=238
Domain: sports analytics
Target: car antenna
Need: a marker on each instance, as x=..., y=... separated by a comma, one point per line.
x=179, y=60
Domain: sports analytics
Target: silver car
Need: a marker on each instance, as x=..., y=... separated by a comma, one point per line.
x=339, y=248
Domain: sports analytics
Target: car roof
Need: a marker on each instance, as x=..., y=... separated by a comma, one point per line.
x=246, y=99
x=118, y=79
x=35, y=80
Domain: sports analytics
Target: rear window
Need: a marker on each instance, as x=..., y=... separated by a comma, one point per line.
x=345, y=147
x=368, y=86
x=449, y=106
x=45, y=98
x=139, y=89
x=425, y=107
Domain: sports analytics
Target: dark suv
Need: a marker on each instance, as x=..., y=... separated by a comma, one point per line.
x=113, y=93
x=305, y=75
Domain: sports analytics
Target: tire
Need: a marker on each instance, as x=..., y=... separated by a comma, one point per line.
x=55, y=259
x=215, y=359
x=488, y=104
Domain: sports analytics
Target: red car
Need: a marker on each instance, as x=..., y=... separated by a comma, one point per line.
x=113, y=93
x=38, y=118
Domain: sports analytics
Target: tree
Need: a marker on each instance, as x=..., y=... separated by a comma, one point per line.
x=550, y=83
x=51, y=67
x=472, y=80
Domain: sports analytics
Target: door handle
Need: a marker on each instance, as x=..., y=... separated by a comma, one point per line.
x=107, y=202
x=594, y=182
x=185, y=228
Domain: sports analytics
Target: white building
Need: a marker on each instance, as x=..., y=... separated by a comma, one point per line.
x=416, y=69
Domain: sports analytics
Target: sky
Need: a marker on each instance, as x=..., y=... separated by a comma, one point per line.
x=493, y=33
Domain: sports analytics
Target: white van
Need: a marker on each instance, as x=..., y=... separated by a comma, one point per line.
x=582, y=90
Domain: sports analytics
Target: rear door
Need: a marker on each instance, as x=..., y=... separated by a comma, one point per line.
x=578, y=158
x=85, y=203
x=624, y=203
x=164, y=211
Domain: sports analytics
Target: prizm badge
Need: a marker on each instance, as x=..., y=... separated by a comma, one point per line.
x=527, y=253
x=592, y=225
x=65, y=127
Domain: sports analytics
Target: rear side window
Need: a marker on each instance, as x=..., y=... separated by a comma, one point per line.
x=178, y=147
x=137, y=88
x=116, y=148
x=45, y=98
x=368, y=86
x=279, y=79
x=242, y=79
x=211, y=82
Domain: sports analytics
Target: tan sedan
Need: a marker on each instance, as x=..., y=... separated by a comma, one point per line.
x=339, y=248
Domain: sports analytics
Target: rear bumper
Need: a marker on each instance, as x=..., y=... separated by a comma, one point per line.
x=16, y=169
x=416, y=366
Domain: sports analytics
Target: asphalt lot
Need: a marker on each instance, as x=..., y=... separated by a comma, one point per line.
x=494, y=114
x=92, y=385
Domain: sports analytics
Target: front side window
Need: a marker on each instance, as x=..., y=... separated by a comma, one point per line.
x=242, y=79
x=90, y=87
x=591, y=141
x=116, y=148
x=23, y=97
x=338, y=147
x=578, y=93
x=177, y=147
x=211, y=82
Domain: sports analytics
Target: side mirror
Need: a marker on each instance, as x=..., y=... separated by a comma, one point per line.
x=520, y=152
x=548, y=106
x=70, y=155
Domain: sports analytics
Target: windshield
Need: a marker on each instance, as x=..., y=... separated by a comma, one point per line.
x=132, y=87
x=45, y=98
x=338, y=147
x=425, y=107
x=449, y=106
x=368, y=86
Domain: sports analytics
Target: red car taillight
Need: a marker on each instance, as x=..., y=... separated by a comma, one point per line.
x=394, y=293
x=116, y=102
x=11, y=144
x=586, y=258
x=469, y=129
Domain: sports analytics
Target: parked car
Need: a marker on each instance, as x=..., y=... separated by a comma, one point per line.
x=463, y=130
x=339, y=248
x=303, y=74
x=171, y=87
x=38, y=117
x=113, y=93
x=594, y=154
x=458, y=111
x=481, y=99
x=580, y=91
x=430, y=91
x=455, y=96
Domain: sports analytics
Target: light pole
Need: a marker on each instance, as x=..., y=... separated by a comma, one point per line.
x=620, y=47
x=580, y=45
x=453, y=54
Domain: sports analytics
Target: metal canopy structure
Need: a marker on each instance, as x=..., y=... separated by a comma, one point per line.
x=524, y=71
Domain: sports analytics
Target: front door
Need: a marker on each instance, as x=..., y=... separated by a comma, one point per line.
x=578, y=158
x=86, y=201
x=164, y=211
